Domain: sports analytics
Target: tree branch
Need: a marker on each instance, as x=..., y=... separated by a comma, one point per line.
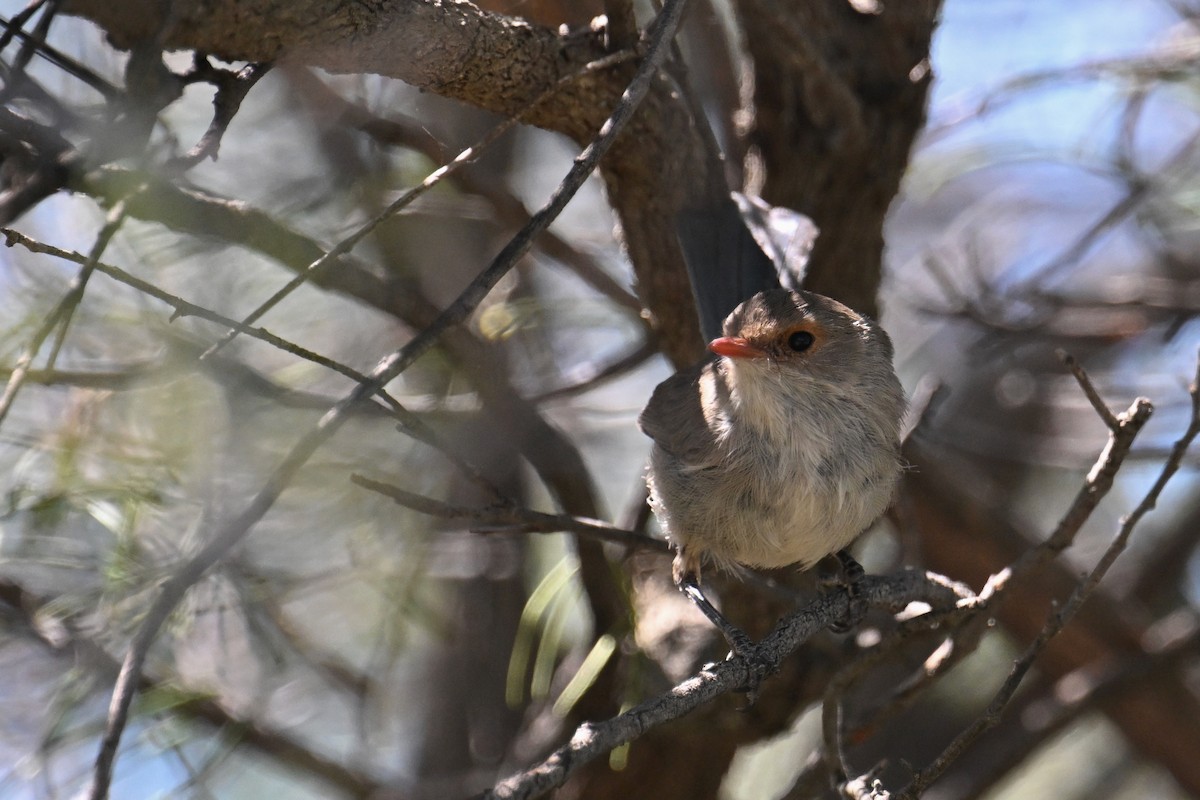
x=1060, y=617
x=175, y=587
x=592, y=740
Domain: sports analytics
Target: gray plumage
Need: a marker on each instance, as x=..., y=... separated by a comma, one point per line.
x=772, y=455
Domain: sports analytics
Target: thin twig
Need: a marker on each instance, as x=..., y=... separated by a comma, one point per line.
x=232, y=89
x=232, y=532
x=467, y=156
x=1059, y=618
x=183, y=308
x=513, y=519
x=1089, y=390
x=62, y=312
x=1123, y=429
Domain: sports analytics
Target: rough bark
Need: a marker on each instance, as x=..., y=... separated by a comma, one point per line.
x=839, y=98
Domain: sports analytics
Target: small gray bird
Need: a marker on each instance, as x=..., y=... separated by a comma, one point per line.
x=786, y=447
x=783, y=449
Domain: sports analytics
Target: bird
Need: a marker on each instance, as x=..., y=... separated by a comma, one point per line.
x=783, y=445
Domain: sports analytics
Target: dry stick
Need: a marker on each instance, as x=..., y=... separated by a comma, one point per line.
x=182, y=307
x=1122, y=431
x=400, y=131
x=513, y=519
x=1089, y=390
x=411, y=423
x=231, y=91
x=465, y=157
x=62, y=311
x=1058, y=620
x=232, y=532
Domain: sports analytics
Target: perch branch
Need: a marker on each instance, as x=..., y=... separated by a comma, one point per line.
x=592, y=740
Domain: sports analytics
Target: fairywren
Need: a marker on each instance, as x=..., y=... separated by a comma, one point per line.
x=783, y=448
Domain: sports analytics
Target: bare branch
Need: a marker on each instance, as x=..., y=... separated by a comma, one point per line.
x=1058, y=619
x=182, y=307
x=62, y=312
x=512, y=519
x=175, y=587
x=1089, y=390
x=404, y=200
x=592, y=740
x=232, y=88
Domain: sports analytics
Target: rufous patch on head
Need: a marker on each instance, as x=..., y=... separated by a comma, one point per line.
x=809, y=325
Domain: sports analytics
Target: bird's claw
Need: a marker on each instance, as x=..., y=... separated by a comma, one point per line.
x=758, y=666
x=856, y=612
x=856, y=604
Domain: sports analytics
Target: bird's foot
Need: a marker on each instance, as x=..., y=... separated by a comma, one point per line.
x=758, y=666
x=856, y=611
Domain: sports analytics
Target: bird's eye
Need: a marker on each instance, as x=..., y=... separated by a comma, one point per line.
x=800, y=341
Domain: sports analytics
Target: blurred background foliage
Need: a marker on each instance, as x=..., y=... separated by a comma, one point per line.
x=350, y=646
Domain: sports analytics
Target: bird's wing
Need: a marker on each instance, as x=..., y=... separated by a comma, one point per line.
x=674, y=418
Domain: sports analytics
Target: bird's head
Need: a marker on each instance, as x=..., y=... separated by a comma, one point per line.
x=803, y=336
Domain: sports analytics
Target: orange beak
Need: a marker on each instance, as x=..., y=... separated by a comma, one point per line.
x=735, y=347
